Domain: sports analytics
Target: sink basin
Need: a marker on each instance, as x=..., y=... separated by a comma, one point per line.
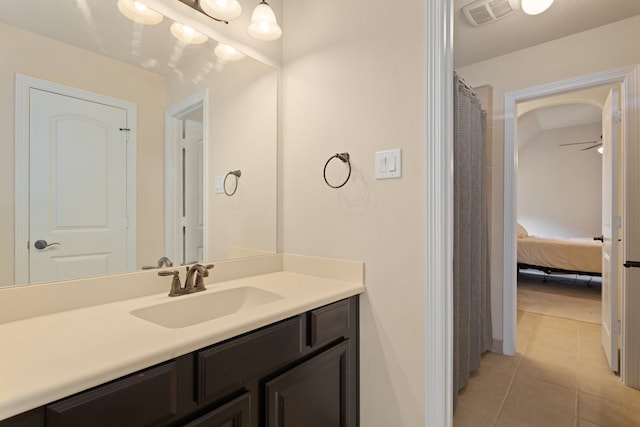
x=189, y=310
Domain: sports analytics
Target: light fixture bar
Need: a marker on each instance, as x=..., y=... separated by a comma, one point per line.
x=193, y=4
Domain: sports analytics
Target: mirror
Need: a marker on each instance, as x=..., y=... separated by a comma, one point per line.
x=91, y=46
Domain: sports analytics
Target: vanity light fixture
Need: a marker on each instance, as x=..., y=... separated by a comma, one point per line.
x=228, y=53
x=224, y=10
x=139, y=12
x=186, y=34
x=535, y=7
x=263, y=24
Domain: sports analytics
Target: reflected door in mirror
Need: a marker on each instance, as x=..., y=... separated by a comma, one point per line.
x=193, y=194
x=78, y=163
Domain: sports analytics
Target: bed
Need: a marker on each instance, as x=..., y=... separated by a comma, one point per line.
x=559, y=255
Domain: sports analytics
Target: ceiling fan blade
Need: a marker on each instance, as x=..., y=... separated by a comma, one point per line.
x=578, y=143
x=593, y=146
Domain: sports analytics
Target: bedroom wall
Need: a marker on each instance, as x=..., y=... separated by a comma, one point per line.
x=560, y=187
x=599, y=49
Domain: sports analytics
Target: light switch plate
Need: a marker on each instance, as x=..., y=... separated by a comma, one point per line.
x=389, y=164
x=219, y=184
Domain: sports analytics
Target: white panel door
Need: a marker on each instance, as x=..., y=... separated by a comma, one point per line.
x=193, y=191
x=611, y=224
x=78, y=194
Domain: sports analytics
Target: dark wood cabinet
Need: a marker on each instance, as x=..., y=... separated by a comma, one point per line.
x=147, y=398
x=236, y=413
x=299, y=372
x=313, y=394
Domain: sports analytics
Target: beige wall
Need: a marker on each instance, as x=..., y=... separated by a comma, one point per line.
x=242, y=135
x=352, y=81
x=33, y=55
x=600, y=49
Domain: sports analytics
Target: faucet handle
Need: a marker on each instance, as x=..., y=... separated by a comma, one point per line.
x=176, y=286
x=199, y=285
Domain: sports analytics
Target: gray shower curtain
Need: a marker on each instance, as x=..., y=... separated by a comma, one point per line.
x=471, y=286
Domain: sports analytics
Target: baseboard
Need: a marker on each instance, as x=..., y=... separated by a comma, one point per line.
x=496, y=347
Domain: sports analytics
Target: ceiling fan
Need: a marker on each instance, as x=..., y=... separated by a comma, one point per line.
x=594, y=144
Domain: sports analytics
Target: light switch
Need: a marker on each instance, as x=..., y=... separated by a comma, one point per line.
x=219, y=180
x=382, y=164
x=389, y=164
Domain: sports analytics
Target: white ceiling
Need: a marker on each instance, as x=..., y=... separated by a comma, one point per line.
x=518, y=30
x=560, y=116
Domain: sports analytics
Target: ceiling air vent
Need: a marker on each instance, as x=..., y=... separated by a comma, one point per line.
x=481, y=12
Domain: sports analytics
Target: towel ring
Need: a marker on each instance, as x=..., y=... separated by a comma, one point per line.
x=345, y=159
x=224, y=184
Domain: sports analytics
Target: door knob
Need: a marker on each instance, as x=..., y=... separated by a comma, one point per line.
x=42, y=244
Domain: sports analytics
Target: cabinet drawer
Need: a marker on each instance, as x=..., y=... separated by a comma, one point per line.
x=226, y=367
x=328, y=323
x=140, y=399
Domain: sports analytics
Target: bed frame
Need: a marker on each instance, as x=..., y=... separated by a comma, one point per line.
x=548, y=271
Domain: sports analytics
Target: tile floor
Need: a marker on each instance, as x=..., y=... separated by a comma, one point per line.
x=559, y=377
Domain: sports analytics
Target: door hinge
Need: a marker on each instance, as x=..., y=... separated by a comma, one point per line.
x=126, y=132
x=183, y=221
x=617, y=222
x=617, y=327
x=126, y=222
x=617, y=117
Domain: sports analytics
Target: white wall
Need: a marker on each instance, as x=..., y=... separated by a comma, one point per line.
x=600, y=49
x=353, y=81
x=560, y=187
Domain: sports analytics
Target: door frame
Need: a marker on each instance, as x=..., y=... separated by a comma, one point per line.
x=173, y=115
x=24, y=84
x=629, y=79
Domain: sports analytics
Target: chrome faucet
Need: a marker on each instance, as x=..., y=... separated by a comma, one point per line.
x=194, y=282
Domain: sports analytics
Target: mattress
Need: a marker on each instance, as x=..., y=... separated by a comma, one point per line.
x=574, y=254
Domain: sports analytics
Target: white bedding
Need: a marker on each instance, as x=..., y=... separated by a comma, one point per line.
x=575, y=254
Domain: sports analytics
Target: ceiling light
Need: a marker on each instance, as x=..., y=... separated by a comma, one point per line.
x=228, y=53
x=139, y=12
x=534, y=7
x=186, y=34
x=226, y=10
x=263, y=24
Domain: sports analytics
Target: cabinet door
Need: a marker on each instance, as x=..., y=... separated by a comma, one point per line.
x=236, y=413
x=313, y=394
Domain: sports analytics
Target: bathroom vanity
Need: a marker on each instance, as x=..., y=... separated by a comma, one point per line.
x=301, y=371
x=289, y=362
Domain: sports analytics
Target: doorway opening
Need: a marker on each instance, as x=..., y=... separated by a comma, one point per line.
x=185, y=181
x=626, y=78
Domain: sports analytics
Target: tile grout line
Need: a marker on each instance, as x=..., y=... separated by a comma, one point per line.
x=513, y=377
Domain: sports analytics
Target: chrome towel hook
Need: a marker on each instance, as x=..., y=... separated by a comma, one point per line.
x=235, y=173
x=344, y=157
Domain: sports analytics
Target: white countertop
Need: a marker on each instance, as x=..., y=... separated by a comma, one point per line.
x=48, y=357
